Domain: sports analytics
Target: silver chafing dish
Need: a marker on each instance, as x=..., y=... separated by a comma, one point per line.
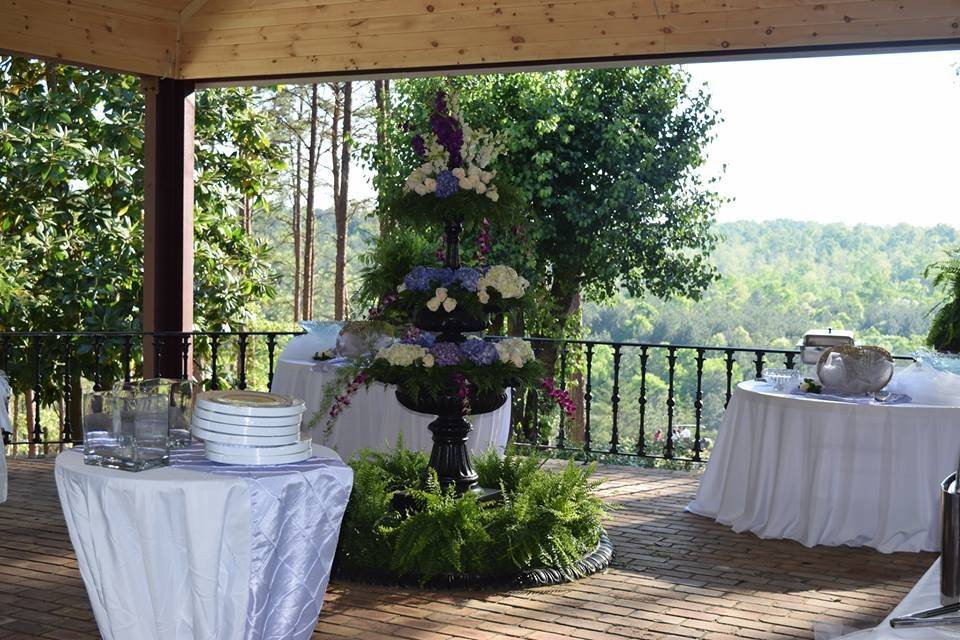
x=816, y=341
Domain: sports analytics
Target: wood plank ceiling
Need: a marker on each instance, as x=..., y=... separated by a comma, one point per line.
x=216, y=39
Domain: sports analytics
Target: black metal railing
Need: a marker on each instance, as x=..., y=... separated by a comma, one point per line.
x=634, y=400
x=640, y=400
x=50, y=369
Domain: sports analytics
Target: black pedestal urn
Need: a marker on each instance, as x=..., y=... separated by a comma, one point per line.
x=450, y=457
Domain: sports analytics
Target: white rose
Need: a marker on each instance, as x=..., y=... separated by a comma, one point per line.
x=464, y=183
x=459, y=173
x=430, y=184
x=449, y=305
x=433, y=304
x=493, y=195
x=480, y=188
x=483, y=296
x=428, y=360
x=420, y=189
x=441, y=294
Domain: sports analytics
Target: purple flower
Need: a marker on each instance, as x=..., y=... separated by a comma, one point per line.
x=479, y=351
x=419, y=279
x=447, y=184
x=467, y=277
x=446, y=353
x=419, y=147
x=448, y=131
x=413, y=335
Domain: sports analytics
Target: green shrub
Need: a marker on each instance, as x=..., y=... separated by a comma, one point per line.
x=545, y=518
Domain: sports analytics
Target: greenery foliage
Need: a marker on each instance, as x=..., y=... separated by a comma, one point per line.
x=71, y=197
x=546, y=518
x=945, y=329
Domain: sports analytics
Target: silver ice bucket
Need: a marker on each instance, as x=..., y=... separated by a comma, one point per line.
x=950, y=540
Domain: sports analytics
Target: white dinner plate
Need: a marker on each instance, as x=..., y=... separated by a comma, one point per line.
x=253, y=421
x=244, y=430
x=249, y=441
x=282, y=450
x=252, y=456
x=249, y=403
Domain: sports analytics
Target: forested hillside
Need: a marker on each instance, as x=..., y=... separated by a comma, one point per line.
x=783, y=277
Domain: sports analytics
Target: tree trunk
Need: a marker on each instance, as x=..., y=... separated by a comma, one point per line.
x=247, y=216
x=297, y=193
x=381, y=94
x=341, y=202
x=308, y=241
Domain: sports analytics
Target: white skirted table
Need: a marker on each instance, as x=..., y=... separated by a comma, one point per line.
x=375, y=419
x=830, y=472
x=204, y=550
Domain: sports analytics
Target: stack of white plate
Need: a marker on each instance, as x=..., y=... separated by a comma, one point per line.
x=250, y=428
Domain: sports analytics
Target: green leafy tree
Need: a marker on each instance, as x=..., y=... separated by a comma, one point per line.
x=607, y=160
x=71, y=200
x=945, y=329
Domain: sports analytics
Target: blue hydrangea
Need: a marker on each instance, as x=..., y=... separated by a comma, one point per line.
x=446, y=353
x=479, y=351
x=428, y=278
x=467, y=278
x=447, y=184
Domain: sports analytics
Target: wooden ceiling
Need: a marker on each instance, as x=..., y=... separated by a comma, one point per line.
x=244, y=39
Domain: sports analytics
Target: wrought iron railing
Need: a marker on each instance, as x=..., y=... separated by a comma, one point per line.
x=635, y=400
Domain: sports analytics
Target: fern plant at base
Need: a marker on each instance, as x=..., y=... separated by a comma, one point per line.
x=545, y=519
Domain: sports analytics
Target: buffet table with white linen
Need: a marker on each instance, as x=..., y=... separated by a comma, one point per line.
x=830, y=472
x=924, y=595
x=374, y=419
x=204, y=550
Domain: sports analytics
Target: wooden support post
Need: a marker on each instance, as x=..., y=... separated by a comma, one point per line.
x=168, y=223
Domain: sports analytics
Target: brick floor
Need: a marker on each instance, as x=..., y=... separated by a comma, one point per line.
x=675, y=575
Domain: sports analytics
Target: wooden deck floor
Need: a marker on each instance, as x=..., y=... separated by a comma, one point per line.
x=675, y=575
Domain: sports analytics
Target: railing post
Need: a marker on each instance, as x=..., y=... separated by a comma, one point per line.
x=97, y=347
x=790, y=360
x=214, y=370
x=671, y=367
x=67, y=390
x=563, y=386
x=759, y=363
x=729, y=367
x=271, y=347
x=185, y=356
x=615, y=401
x=37, y=390
x=242, y=360
x=698, y=405
x=588, y=397
x=642, y=437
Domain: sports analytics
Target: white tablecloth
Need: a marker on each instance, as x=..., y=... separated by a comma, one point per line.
x=375, y=418
x=924, y=595
x=832, y=473
x=202, y=550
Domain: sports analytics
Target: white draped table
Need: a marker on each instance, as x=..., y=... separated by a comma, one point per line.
x=826, y=472
x=375, y=419
x=204, y=550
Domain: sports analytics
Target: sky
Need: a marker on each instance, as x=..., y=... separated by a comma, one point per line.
x=871, y=139
x=857, y=139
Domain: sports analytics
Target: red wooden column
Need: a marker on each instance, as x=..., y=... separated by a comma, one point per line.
x=168, y=221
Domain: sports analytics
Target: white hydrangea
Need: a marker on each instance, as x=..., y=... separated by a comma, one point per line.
x=516, y=351
x=502, y=279
x=405, y=355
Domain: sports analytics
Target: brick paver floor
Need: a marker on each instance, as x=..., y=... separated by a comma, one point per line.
x=675, y=575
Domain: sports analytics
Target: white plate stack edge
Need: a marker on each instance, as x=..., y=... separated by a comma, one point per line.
x=250, y=428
